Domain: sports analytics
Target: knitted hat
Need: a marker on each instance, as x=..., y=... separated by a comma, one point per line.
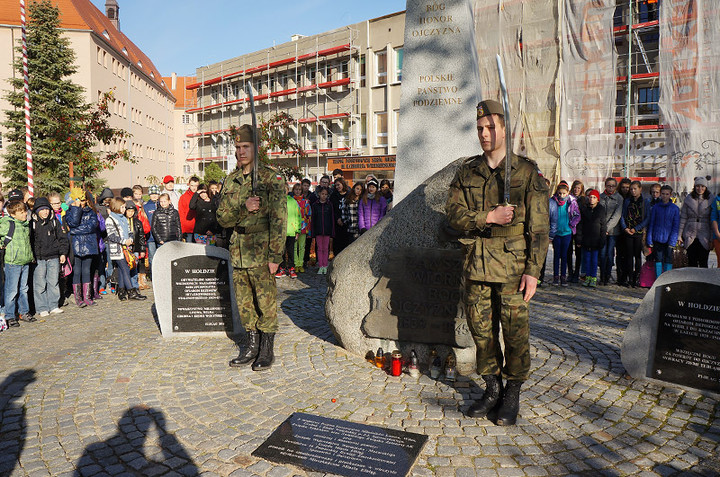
x=372, y=181
x=41, y=203
x=701, y=181
x=126, y=192
x=595, y=193
x=153, y=189
x=129, y=204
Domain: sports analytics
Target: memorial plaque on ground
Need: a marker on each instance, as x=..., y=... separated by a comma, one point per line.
x=687, y=350
x=340, y=447
x=419, y=298
x=193, y=290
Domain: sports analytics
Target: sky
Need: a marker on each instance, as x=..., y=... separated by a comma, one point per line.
x=182, y=35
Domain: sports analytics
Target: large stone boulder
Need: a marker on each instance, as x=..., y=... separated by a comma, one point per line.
x=418, y=221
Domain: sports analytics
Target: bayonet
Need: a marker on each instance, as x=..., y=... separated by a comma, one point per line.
x=255, y=137
x=508, y=133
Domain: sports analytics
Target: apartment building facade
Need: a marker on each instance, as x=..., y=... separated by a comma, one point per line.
x=341, y=88
x=107, y=60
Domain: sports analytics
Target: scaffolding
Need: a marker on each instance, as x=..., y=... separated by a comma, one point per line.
x=311, y=78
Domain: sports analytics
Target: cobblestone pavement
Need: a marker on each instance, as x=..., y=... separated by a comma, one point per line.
x=98, y=391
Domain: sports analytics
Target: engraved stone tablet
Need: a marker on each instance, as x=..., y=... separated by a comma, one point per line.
x=341, y=447
x=687, y=349
x=419, y=299
x=193, y=290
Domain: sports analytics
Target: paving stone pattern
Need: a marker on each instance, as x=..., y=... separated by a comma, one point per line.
x=98, y=391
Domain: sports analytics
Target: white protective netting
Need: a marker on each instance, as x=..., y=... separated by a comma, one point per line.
x=588, y=91
x=689, y=89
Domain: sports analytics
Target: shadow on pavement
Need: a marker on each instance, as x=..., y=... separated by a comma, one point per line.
x=124, y=452
x=13, y=426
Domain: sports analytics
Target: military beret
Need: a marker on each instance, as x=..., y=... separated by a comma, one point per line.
x=244, y=134
x=488, y=107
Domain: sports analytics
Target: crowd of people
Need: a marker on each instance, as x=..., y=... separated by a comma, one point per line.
x=620, y=226
x=84, y=247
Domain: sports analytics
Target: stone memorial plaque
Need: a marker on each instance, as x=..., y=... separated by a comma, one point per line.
x=194, y=295
x=201, y=294
x=419, y=299
x=687, y=349
x=339, y=447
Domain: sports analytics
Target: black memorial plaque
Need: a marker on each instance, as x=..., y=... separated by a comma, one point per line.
x=201, y=299
x=687, y=349
x=340, y=447
x=419, y=298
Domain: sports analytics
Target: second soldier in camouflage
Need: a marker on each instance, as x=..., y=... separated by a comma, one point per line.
x=505, y=247
x=258, y=221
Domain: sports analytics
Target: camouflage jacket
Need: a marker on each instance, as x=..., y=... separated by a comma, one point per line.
x=257, y=238
x=500, y=253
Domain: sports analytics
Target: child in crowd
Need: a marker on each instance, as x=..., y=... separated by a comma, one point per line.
x=118, y=230
x=294, y=224
x=165, y=222
x=150, y=208
x=633, y=222
x=50, y=244
x=137, y=235
x=323, y=228
x=591, y=234
x=82, y=218
x=372, y=207
x=349, y=211
x=206, y=224
x=663, y=230
x=564, y=217
x=15, y=237
x=305, y=213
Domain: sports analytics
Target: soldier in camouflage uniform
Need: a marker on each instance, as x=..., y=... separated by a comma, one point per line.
x=505, y=248
x=256, y=246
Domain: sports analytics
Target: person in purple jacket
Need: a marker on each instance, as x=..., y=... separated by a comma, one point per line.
x=663, y=230
x=372, y=207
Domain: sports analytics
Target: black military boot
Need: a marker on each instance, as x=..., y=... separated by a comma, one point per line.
x=507, y=415
x=266, y=356
x=250, y=352
x=491, y=398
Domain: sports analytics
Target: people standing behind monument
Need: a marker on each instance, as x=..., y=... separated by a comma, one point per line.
x=612, y=202
x=50, y=246
x=341, y=239
x=623, y=275
x=169, y=185
x=592, y=234
x=138, y=248
x=633, y=222
x=714, y=220
x=663, y=230
x=564, y=217
x=323, y=228
x=294, y=225
x=694, y=232
x=323, y=182
x=349, y=211
x=577, y=190
x=205, y=209
x=372, y=206
x=150, y=207
x=301, y=241
x=311, y=198
x=256, y=209
x=165, y=225
x=654, y=194
x=15, y=237
x=187, y=215
x=386, y=191
x=82, y=219
x=118, y=230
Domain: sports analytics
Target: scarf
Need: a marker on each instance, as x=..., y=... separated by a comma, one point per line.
x=122, y=223
x=635, y=212
x=371, y=196
x=559, y=200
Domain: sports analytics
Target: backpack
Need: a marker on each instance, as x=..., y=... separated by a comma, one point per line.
x=6, y=241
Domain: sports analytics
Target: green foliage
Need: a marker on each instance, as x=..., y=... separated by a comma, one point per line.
x=273, y=134
x=63, y=128
x=213, y=172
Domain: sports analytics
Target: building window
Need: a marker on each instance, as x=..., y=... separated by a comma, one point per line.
x=311, y=75
x=236, y=90
x=363, y=130
x=398, y=64
x=186, y=144
x=99, y=55
x=648, y=110
x=381, y=129
x=362, y=71
x=1, y=141
x=344, y=69
x=381, y=67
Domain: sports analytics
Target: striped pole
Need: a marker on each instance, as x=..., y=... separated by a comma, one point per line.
x=28, y=139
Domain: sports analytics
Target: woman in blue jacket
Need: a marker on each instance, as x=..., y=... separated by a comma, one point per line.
x=663, y=230
x=82, y=219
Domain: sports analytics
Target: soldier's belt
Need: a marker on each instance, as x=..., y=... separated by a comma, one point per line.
x=253, y=229
x=497, y=231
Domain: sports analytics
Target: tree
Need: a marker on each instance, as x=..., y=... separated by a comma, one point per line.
x=273, y=135
x=64, y=128
x=213, y=172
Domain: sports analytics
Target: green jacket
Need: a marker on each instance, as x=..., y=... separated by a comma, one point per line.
x=494, y=253
x=294, y=223
x=257, y=238
x=18, y=251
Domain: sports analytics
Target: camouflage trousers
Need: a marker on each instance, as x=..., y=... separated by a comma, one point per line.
x=256, y=294
x=492, y=307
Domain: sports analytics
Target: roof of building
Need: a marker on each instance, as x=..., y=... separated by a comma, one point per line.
x=184, y=98
x=83, y=15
